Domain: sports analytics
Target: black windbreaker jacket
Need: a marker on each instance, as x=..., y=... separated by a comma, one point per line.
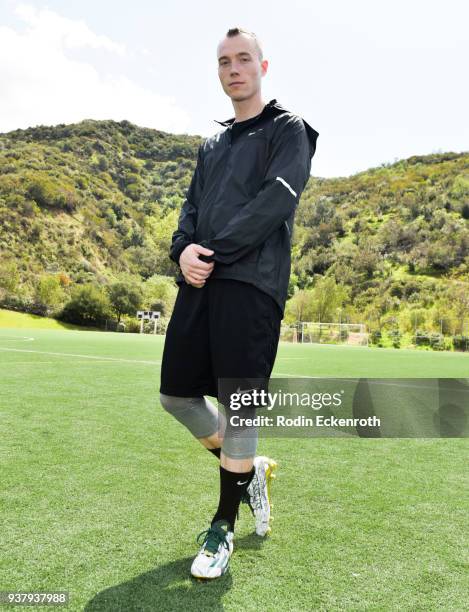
x=243, y=196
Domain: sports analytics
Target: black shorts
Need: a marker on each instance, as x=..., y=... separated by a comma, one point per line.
x=226, y=329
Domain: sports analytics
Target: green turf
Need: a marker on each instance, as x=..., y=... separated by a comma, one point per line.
x=10, y=319
x=103, y=492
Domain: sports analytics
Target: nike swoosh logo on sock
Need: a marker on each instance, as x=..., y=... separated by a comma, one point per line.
x=241, y=483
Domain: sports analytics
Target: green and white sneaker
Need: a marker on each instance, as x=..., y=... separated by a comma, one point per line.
x=217, y=548
x=259, y=495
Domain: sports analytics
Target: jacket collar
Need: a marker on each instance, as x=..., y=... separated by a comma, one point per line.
x=274, y=108
x=271, y=108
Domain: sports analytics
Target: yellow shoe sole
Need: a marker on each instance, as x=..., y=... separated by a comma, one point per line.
x=272, y=467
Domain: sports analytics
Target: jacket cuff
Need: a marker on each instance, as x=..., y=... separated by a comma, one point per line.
x=206, y=258
x=177, y=249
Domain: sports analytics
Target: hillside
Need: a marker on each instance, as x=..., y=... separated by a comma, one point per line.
x=99, y=199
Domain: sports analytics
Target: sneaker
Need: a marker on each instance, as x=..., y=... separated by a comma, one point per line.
x=217, y=548
x=258, y=494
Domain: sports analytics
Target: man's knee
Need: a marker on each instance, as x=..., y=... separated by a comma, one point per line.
x=198, y=414
x=174, y=404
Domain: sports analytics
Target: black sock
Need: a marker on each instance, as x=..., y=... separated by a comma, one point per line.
x=233, y=485
x=215, y=451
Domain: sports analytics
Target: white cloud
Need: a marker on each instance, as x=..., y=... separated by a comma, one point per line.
x=42, y=85
x=53, y=30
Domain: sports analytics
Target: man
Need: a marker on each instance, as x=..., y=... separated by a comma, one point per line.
x=233, y=245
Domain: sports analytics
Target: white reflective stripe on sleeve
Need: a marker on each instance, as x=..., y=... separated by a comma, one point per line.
x=284, y=182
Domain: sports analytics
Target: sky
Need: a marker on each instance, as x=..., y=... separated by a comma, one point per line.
x=380, y=81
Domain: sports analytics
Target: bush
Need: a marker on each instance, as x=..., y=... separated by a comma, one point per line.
x=437, y=342
x=21, y=303
x=422, y=338
x=103, y=164
x=53, y=194
x=9, y=276
x=89, y=305
x=134, y=191
x=49, y=292
x=395, y=336
x=82, y=182
x=461, y=343
x=133, y=326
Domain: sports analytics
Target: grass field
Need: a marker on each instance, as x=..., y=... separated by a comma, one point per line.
x=103, y=492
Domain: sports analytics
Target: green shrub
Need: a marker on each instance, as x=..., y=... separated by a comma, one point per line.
x=422, y=338
x=461, y=343
x=89, y=305
x=437, y=342
x=395, y=336
x=52, y=193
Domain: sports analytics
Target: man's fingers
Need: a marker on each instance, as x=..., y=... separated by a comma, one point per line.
x=199, y=272
x=197, y=284
x=194, y=279
x=198, y=277
x=201, y=265
x=196, y=273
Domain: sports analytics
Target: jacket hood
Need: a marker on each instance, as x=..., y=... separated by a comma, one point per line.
x=273, y=108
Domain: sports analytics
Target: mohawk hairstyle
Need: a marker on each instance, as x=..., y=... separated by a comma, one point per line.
x=235, y=31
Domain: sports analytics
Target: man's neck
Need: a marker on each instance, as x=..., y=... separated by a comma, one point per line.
x=246, y=109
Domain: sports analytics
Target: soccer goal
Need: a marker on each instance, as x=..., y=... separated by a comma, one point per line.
x=289, y=333
x=326, y=333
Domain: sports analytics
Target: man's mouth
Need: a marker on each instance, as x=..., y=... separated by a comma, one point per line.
x=236, y=83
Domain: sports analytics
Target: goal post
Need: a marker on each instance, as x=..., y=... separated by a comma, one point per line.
x=315, y=332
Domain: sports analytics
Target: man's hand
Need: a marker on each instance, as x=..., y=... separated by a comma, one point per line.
x=193, y=269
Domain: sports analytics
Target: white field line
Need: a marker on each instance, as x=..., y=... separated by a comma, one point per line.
x=95, y=357
x=35, y=362
x=18, y=338
x=274, y=374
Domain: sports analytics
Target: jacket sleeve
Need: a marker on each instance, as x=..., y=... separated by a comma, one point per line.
x=187, y=222
x=288, y=170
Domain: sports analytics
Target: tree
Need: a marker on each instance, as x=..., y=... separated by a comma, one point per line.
x=49, y=292
x=9, y=276
x=459, y=296
x=300, y=306
x=89, y=305
x=159, y=294
x=328, y=296
x=292, y=284
x=159, y=229
x=125, y=298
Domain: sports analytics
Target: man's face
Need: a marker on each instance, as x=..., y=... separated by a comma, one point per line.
x=239, y=67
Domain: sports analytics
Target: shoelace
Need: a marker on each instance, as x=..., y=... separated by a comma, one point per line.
x=212, y=539
x=254, y=501
x=256, y=498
